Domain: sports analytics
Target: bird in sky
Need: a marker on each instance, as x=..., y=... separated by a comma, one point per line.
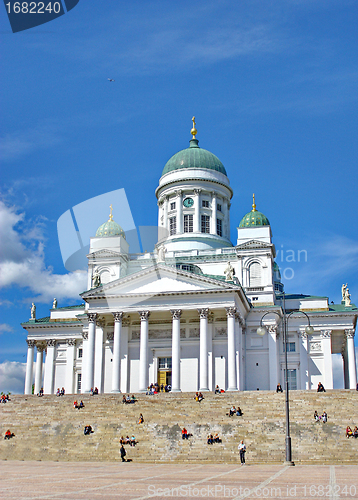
x=110, y=80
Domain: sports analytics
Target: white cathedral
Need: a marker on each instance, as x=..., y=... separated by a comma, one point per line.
x=187, y=314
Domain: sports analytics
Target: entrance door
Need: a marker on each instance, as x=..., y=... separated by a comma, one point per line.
x=164, y=371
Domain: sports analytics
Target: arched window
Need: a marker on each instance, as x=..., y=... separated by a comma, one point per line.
x=254, y=275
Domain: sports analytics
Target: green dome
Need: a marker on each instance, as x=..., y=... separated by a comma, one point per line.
x=254, y=218
x=194, y=157
x=110, y=228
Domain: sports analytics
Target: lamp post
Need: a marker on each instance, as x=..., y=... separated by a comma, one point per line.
x=309, y=331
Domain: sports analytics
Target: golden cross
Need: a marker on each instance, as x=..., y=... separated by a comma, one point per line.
x=110, y=215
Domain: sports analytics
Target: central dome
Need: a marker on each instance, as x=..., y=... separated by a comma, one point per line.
x=194, y=157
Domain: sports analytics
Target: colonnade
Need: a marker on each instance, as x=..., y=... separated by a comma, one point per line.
x=233, y=357
x=89, y=357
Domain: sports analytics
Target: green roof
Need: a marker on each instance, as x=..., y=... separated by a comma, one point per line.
x=194, y=157
x=253, y=219
x=109, y=228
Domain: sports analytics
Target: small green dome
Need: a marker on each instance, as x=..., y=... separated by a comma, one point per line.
x=110, y=228
x=254, y=218
x=194, y=157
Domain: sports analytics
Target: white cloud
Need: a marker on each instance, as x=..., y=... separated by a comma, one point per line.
x=12, y=377
x=22, y=260
x=5, y=328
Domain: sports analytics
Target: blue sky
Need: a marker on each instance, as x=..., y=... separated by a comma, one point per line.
x=273, y=86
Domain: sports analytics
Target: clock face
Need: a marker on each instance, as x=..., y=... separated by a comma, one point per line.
x=188, y=202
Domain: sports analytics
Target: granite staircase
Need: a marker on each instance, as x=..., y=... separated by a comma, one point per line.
x=49, y=428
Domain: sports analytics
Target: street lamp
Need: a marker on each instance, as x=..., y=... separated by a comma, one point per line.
x=309, y=331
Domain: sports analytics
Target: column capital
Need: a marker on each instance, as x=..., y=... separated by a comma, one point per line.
x=203, y=313
x=110, y=336
x=50, y=342
x=230, y=312
x=71, y=342
x=179, y=192
x=144, y=315
x=31, y=343
x=118, y=316
x=197, y=191
x=176, y=313
x=92, y=317
x=40, y=347
x=326, y=334
x=349, y=334
x=85, y=335
x=273, y=329
x=302, y=334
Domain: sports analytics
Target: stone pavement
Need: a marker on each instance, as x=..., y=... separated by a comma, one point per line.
x=99, y=480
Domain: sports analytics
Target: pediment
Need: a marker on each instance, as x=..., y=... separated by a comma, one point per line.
x=248, y=245
x=101, y=254
x=159, y=279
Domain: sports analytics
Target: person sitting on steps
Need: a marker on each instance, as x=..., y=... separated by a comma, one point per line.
x=355, y=432
x=324, y=417
x=316, y=416
x=279, y=388
x=320, y=387
x=349, y=432
x=133, y=441
x=210, y=439
x=9, y=434
x=141, y=419
x=239, y=412
x=87, y=430
x=232, y=411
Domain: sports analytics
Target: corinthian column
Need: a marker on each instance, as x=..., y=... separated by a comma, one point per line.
x=29, y=366
x=197, y=211
x=143, y=351
x=38, y=370
x=116, y=368
x=203, y=382
x=231, y=351
x=49, y=366
x=176, y=350
x=351, y=359
x=89, y=351
x=327, y=358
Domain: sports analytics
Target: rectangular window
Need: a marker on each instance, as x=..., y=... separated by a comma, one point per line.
x=291, y=347
x=188, y=223
x=219, y=227
x=172, y=206
x=79, y=381
x=205, y=224
x=80, y=353
x=172, y=225
x=165, y=363
x=292, y=379
x=205, y=203
x=219, y=207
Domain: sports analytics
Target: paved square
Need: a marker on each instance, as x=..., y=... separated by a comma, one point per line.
x=101, y=480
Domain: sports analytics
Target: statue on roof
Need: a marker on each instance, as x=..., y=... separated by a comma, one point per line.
x=161, y=253
x=344, y=288
x=33, y=311
x=347, y=296
x=96, y=279
x=229, y=272
x=54, y=303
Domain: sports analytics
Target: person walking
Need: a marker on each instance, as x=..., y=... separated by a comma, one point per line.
x=242, y=451
x=123, y=453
